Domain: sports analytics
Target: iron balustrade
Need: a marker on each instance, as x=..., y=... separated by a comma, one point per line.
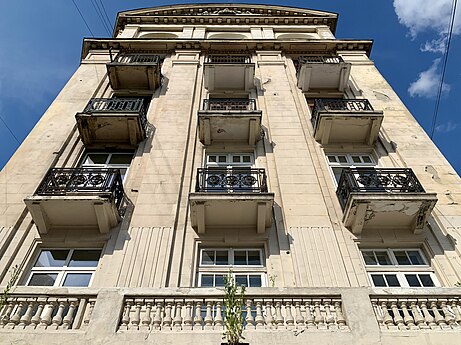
x=130, y=58
x=118, y=106
x=232, y=180
x=376, y=180
x=65, y=181
x=239, y=104
x=320, y=59
x=333, y=105
x=228, y=59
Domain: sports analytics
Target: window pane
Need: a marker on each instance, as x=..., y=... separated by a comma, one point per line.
x=366, y=159
x=77, y=279
x=222, y=257
x=378, y=280
x=369, y=258
x=426, y=280
x=412, y=280
x=219, y=280
x=222, y=159
x=342, y=159
x=240, y=257
x=96, y=158
x=383, y=258
x=211, y=158
x=121, y=158
x=241, y=280
x=402, y=258
x=255, y=281
x=254, y=257
x=52, y=258
x=236, y=159
x=356, y=159
x=337, y=172
x=332, y=159
x=43, y=279
x=392, y=280
x=207, y=257
x=85, y=258
x=415, y=257
x=246, y=159
x=207, y=280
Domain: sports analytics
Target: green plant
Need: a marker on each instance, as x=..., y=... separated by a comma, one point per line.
x=9, y=286
x=233, y=302
x=272, y=278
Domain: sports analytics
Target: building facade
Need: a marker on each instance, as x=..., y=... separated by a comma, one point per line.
x=206, y=139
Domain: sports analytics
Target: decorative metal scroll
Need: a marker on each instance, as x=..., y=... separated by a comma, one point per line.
x=330, y=105
x=228, y=59
x=220, y=104
x=130, y=58
x=231, y=180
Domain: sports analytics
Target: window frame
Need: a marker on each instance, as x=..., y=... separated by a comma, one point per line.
x=229, y=163
x=349, y=162
x=107, y=165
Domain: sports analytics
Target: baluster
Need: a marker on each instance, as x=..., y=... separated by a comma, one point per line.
x=88, y=312
x=57, y=319
x=188, y=317
x=198, y=319
x=398, y=319
x=269, y=317
x=318, y=317
x=14, y=320
x=427, y=316
x=289, y=319
x=35, y=320
x=177, y=321
x=25, y=319
x=6, y=316
x=340, y=320
x=147, y=319
x=455, y=308
x=136, y=319
x=299, y=319
x=278, y=314
x=449, y=317
x=67, y=321
x=309, y=317
x=249, y=317
x=415, y=311
x=407, y=319
x=158, y=316
x=208, y=316
x=126, y=314
x=387, y=318
x=218, y=321
x=439, y=319
x=329, y=317
x=259, y=315
x=378, y=313
x=167, y=320
x=47, y=312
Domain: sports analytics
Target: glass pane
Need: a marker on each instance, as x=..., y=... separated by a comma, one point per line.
x=52, y=258
x=122, y=173
x=236, y=159
x=426, y=280
x=77, y=279
x=366, y=159
x=392, y=280
x=383, y=258
x=337, y=172
x=255, y=281
x=219, y=280
x=412, y=280
x=241, y=280
x=378, y=280
x=246, y=159
x=401, y=257
x=96, y=158
x=85, y=258
x=207, y=280
x=240, y=257
x=207, y=257
x=212, y=159
x=369, y=258
x=121, y=158
x=415, y=257
x=342, y=159
x=43, y=279
x=254, y=257
x=222, y=159
x=356, y=159
x=222, y=257
x=332, y=159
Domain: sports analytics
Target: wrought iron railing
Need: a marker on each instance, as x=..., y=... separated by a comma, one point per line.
x=239, y=104
x=130, y=58
x=228, y=59
x=118, y=106
x=333, y=105
x=232, y=180
x=376, y=180
x=320, y=59
x=65, y=181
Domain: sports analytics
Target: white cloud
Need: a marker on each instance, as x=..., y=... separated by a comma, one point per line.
x=428, y=82
x=446, y=127
x=436, y=45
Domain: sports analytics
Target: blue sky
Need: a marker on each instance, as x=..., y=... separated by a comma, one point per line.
x=40, y=44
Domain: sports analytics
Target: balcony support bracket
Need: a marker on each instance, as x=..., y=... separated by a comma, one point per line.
x=359, y=220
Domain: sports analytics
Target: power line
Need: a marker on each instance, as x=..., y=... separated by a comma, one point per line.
x=9, y=129
x=105, y=13
x=83, y=18
x=444, y=66
x=99, y=14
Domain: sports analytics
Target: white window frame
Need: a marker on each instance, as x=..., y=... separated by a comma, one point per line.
x=349, y=162
x=63, y=270
x=229, y=162
x=399, y=270
x=107, y=165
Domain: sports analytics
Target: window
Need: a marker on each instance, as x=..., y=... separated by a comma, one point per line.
x=398, y=268
x=229, y=160
x=338, y=162
x=64, y=267
x=119, y=160
x=246, y=264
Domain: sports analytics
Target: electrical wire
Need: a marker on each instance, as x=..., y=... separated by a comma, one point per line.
x=99, y=14
x=105, y=13
x=83, y=18
x=444, y=66
x=9, y=129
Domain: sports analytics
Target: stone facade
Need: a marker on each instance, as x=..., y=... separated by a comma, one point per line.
x=260, y=143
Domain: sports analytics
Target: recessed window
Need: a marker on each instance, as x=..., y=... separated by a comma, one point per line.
x=117, y=160
x=64, y=267
x=338, y=162
x=229, y=160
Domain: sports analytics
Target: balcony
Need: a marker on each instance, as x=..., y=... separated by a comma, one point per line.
x=229, y=72
x=345, y=121
x=232, y=120
x=113, y=121
x=77, y=198
x=135, y=72
x=231, y=198
x=388, y=198
x=322, y=73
